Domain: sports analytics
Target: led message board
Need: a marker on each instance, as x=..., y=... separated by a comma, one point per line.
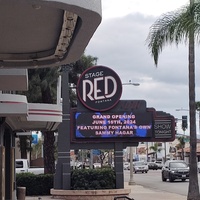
x=149, y=126
x=113, y=125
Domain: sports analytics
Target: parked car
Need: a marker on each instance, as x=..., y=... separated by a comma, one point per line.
x=126, y=165
x=140, y=166
x=96, y=165
x=159, y=164
x=175, y=169
x=22, y=166
x=152, y=165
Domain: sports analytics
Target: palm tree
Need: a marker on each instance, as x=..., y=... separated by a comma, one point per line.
x=42, y=89
x=156, y=149
x=44, y=81
x=181, y=145
x=198, y=105
x=174, y=27
x=24, y=145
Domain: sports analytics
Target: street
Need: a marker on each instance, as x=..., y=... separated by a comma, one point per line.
x=153, y=181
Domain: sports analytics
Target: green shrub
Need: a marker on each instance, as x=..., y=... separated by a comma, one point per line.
x=84, y=179
x=92, y=179
x=35, y=184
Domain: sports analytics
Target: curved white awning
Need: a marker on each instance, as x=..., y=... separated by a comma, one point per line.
x=21, y=115
x=43, y=33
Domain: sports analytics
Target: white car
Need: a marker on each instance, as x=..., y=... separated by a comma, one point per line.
x=96, y=165
x=140, y=166
x=126, y=165
x=159, y=164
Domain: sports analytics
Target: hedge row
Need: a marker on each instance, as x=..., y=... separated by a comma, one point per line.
x=89, y=179
x=35, y=184
x=85, y=179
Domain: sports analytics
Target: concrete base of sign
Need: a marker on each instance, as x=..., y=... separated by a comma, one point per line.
x=108, y=194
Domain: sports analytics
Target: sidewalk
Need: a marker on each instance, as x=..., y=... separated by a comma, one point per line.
x=138, y=192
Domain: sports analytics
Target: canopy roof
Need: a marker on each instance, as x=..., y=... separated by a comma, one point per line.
x=41, y=33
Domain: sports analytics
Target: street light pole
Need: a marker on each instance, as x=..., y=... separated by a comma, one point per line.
x=62, y=176
x=131, y=181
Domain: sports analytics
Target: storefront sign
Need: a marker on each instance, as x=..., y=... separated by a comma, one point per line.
x=99, y=88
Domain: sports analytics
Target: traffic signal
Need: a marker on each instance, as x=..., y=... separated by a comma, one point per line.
x=184, y=122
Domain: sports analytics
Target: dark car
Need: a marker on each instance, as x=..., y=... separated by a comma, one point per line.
x=152, y=165
x=175, y=169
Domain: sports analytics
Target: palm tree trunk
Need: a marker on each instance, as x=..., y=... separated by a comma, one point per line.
x=23, y=146
x=156, y=155
x=49, y=159
x=182, y=154
x=193, y=190
x=49, y=139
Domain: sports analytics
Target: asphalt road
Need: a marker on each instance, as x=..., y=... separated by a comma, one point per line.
x=153, y=180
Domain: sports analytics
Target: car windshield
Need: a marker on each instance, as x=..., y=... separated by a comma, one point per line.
x=19, y=164
x=178, y=165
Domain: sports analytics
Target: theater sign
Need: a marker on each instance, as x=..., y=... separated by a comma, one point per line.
x=99, y=88
x=102, y=116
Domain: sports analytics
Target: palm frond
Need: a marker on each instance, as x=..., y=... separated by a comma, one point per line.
x=173, y=27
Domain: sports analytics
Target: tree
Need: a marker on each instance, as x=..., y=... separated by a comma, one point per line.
x=76, y=70
x=24, y=144
x=181, y=145
x=103, y=155
x=156, y=149
x=42, y=89
x=198, y=105
x=173, y=27
x=44, y=81
x=37, y=150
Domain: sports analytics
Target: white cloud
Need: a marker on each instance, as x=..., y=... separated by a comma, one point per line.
x=113, y=8
x=119, y=43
